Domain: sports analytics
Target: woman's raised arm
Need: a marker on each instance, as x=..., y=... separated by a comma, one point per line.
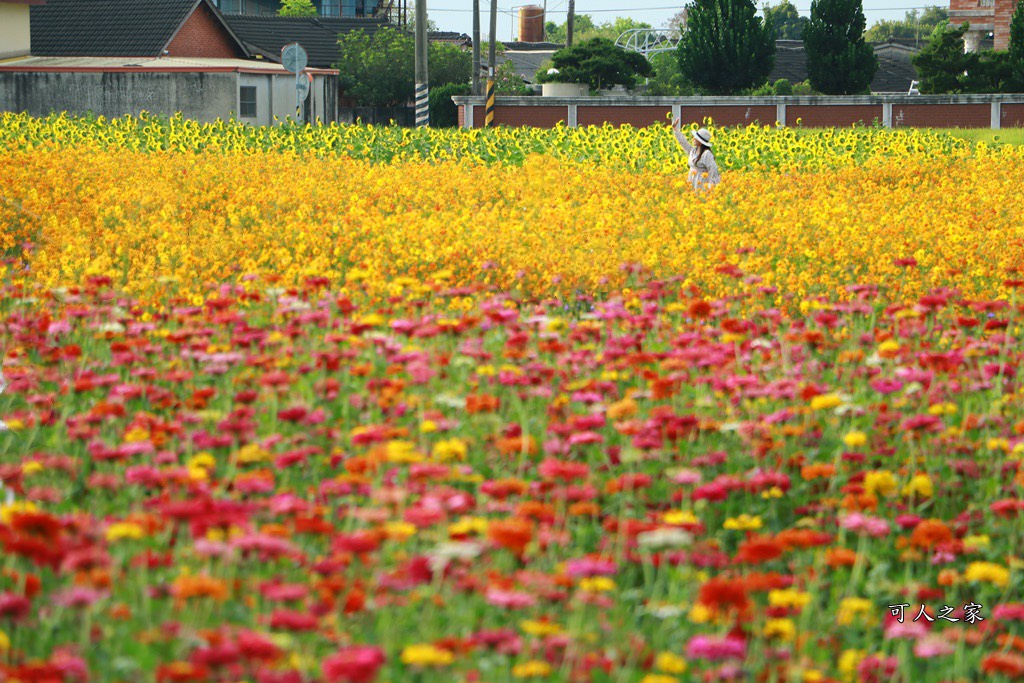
x=681, y=138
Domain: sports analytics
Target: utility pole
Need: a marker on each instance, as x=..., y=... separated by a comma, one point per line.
x=422, y=109
x=476, y=47
x=568, y=23
x=489, y=107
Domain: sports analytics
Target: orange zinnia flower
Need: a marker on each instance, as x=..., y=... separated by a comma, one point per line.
x=759, y=549
x=840, y=557
x=516, y=444
x=512, y=534
x=481, y=403
x=200, y=586
x=930, y=533
x=816, y=471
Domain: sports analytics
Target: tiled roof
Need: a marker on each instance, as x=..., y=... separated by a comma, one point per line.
x=520, y=46
x=895, y=72
x=449, y=37
x=267, y=34
x=107, y=28
x=526, y=62
x=145, y=64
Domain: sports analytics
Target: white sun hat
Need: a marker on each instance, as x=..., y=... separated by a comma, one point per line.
x=702, y=136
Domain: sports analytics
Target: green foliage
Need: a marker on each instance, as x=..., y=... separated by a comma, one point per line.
x=992, y=74
x=788, y=23
x=443, y=112
x=783, y=87
x=410, y=27
x=839, y=60
x=914, y=26
x=804, y=89
x=727, y=47
x=507, y=81
x=447, y=63
x=1015, y=55
x=378, y=69
x=598, y=63
x=584, y=28
x=297, y=8
x=668, y=80
x=942, y=63
x=779, y=88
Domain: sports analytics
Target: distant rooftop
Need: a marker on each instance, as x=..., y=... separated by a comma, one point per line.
x=146, y=65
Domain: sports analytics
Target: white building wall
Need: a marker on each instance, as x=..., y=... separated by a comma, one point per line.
x=275, y=96
x=15, y=39
x=263, y=105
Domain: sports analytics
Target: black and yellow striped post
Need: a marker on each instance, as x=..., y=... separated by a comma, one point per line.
x=489, y=108
x=422, y=105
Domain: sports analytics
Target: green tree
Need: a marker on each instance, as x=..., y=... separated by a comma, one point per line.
x=914, y=26
x=942, y=63
x=726, y=48
x=788, y=23
x=447, y=63
x=297, y=8
x=993, y=73
x=1015, y=55
x=668, y=80
x=377, y=69
x=443, y=112
x=598, y=63
x=839, y=60
x=584, y=29
x=507, y=80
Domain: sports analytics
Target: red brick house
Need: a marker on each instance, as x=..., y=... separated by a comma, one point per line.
x=984, y=16
x=117, y=57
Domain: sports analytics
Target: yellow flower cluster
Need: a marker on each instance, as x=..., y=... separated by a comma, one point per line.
x=540, y=229
x=645, y=149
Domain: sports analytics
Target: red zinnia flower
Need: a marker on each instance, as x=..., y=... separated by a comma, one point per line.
x=1007, y=663
x=721, y=594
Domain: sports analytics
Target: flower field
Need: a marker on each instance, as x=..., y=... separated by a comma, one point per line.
x=347, y=404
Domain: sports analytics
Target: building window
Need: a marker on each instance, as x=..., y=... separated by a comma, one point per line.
x=247, y=102
x=986, y=3
x=330, y=8
x=231, y=6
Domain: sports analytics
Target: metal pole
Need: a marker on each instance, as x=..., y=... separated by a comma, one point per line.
x=476, y=47
x=422, y=109
x=568, y=23
x=489, y=109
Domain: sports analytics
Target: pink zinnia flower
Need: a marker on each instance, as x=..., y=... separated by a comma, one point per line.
x=686, y=477
x=716, y=649
x=79, y=596
x=1011, y=611
x=588, y=567
x=886, y=386
x=932, y=646
x=910, y=630
x=509, y=599
x=356, y=664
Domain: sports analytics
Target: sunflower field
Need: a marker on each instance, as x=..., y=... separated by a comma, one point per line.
x=346, y=404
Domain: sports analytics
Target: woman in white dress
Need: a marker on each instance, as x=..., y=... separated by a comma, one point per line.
x=703, y=168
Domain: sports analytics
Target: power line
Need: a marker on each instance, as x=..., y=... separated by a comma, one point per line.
x=665, y=7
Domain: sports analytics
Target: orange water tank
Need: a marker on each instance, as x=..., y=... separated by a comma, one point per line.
x=531, y=24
